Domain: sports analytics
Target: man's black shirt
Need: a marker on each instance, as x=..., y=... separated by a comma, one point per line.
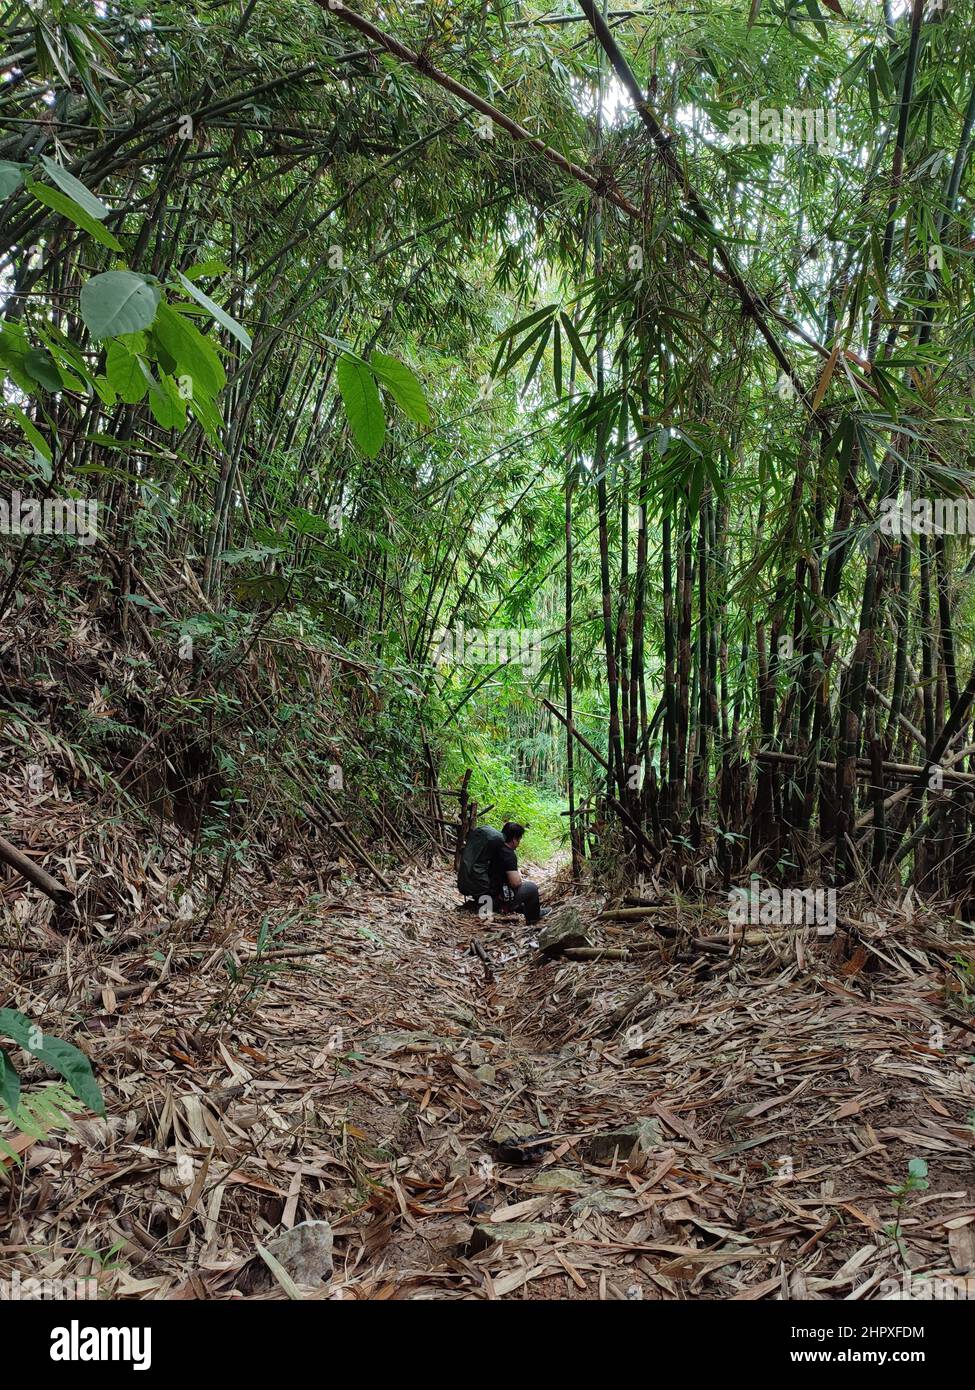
x=503, y=861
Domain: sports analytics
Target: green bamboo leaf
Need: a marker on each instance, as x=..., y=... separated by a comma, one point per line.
x=75, y=189
x=582, y=357
x=221, y=315
x=533, y=365
x=74, y=212
x=884, y=76
x=527, y=322
x=529, y=342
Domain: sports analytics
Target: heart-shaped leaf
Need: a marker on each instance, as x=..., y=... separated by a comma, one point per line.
x=118, y=301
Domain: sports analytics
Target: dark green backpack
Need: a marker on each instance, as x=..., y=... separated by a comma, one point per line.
x=474, y=874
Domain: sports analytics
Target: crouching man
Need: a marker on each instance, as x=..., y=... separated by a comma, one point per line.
x=489, y=872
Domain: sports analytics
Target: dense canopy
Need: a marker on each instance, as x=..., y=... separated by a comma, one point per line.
x=559, y=407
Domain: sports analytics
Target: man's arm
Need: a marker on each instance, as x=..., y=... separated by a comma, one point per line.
x=509, y=861
x=514, y=878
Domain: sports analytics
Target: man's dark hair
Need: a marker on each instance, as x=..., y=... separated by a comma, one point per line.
x=511, y=830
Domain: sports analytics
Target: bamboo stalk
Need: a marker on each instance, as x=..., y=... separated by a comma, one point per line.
x=40, y=878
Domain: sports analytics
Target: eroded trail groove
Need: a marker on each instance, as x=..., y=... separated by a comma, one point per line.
x=736, y=1134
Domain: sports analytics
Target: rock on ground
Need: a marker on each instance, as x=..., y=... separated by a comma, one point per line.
x=305, y=1252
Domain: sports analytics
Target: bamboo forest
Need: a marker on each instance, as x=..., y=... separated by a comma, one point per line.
x=487, y=663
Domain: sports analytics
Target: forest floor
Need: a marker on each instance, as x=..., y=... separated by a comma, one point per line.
x=474, y=1132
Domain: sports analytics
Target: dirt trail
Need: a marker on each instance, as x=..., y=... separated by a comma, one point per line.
x=773, y=1113
x=777, y=1100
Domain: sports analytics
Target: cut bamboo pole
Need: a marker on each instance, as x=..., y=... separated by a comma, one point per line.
x=34, y=874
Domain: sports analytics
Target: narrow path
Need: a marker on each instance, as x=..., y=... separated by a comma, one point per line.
x=469, y=1137
x=739, y=1142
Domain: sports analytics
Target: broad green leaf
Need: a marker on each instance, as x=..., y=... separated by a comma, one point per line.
x=193, y=355
x=197, y=272
x=167, y=406
x=260, y=552
x=11, y=177
x=136, y=343
x=118, y=301
x=141, y=601
x=208, y=415
x=125, y=375
x=63, y=1057
x=9, y=1082
x=43, y=369
x=106, y=391
x=74, y=212
x=221, y=315
x=31, y=431
x=402, y=385
x=13, y=354
x=75, y=189
x=363, y=405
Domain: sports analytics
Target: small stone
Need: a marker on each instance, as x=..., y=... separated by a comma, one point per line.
x=387, y=1043
x=305, y=1252
x=485, y=1073
x=674, y=1213
x=565, y=930
x=451, y=1236
x=490, y=1233
x=598, y=1200
x=557, y=1180
x=645, y=1134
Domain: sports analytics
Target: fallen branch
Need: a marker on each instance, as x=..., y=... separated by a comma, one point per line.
x=484, y=958
x=595, y=953
x=863, y=766
x=285, y=952
x=629, y=914
x=34, y=874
